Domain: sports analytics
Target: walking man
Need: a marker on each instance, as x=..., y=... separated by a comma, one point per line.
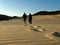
x=25, y=17
x=30, y=18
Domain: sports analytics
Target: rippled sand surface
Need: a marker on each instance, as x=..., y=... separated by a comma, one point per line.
x=14, y=32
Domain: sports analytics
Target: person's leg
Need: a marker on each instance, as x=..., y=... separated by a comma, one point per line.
x=24, y=20
x=30, y=21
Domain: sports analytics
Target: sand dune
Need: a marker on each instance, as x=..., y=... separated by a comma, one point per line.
x=47, y=17
x=14, y=32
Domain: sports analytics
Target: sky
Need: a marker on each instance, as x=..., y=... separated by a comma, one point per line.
x=18, y=7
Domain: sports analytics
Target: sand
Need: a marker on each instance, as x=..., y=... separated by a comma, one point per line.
x=15, y=32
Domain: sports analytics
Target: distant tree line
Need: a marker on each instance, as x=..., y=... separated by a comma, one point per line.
x=47, y=13
x=5, y=17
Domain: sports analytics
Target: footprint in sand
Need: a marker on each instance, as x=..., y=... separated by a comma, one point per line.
x=37, y=28
x=53, y=36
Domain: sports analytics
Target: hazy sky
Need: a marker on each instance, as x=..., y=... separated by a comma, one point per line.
x=18, y=7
